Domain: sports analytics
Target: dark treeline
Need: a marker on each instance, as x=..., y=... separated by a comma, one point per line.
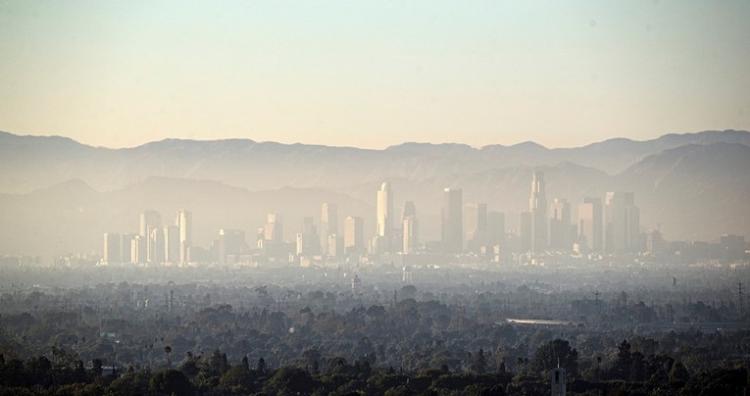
x=632, y=373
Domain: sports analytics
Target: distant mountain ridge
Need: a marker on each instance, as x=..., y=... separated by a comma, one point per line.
x=691, y=186
x=31, y=162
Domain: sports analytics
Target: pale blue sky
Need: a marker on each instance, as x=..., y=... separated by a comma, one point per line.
x=371, y=74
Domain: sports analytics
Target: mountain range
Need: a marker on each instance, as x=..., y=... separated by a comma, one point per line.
x=55, y=191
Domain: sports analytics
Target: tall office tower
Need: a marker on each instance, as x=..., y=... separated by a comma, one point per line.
x=385, y=213
x=308, y=241
x=125, y=250
x=452, y=220
x=172, y=245
x=410, y=229
x=329, y=221
x=138, y=249
x=590, y=224
x=185, y=227
x=621, y=223
x=496, y=229
x=354, y=239
x=559, y=225
x=524, y=231
x=273, y=230
x=156, y=246
x=409, y=236
x=231, y=243
x=111, y=253
x=150, y=221
x=655, y=244
x=335, y=245
x=476, y=223
x=538, y=209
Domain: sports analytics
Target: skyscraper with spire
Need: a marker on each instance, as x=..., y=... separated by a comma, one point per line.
x=538, y=210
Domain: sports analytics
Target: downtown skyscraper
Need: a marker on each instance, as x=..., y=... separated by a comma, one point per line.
x=591, y=224
x=538, y=211
x=621, y=223
x=185, y=227
x=410, y=228
x=452, y=221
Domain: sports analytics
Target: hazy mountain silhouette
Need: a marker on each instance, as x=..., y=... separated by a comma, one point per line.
x=34, y=162
x=694, y=186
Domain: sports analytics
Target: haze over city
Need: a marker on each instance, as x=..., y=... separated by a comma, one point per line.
x=374, y=198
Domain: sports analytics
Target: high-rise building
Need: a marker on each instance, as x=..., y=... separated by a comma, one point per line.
x=385, y=214
x=156, y=246
x=538, y=210
x=150, y=220
x=590, y=224
x=172, y=244
x=138, y=249
x=308, y=241
x=185, y=229
x=354, y=240
x=409, y=228
x=230, y=243
x=452, y=220
x=335, y=246
x=496, y=229
x=111, y=253
x=125, y=248
x=329, y=221
x=273, y=230
x=559, y=225
x=476, y=223
x=621, y=223
x=524, y=231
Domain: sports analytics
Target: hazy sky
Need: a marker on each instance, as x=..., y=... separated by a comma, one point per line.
x=373, y=73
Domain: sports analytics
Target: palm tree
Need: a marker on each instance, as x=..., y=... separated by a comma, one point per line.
x=168, y=351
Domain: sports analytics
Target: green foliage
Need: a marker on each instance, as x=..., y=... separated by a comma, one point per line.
x=170, y=382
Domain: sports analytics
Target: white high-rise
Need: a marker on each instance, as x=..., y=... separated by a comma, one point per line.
x=385, y=211
x=185, y=225
x=538, y=210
